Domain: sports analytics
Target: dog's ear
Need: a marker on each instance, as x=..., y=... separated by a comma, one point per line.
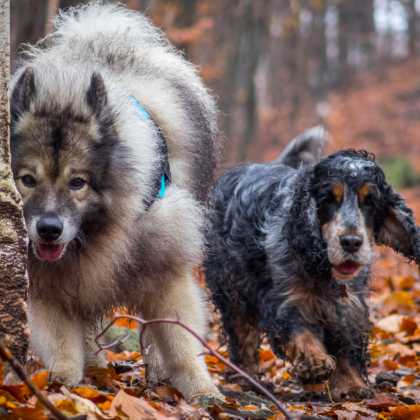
x=302, y=229
x=23, y=93
x=397, y=227
x=96, y=96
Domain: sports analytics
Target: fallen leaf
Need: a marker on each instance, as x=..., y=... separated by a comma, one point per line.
x=236, y=387
x=40, y=379
x=100, y=376
x=83, y=405
x=134, y=408
x=407, y=358
x=250, y=407
x=390, y=365
x=67, y=406
x=166, y=391
x=408, y=326
x=400, y=349
x=398, y=301
x=409, y=379
x=383, y=402
x=347, y=415
x=25, y=413
x=266, y=355
x=406, y=413
x=391, y=323
x=314, y=387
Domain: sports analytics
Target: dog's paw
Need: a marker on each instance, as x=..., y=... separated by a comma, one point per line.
x=67, y=376
x=313, y=369
x=353, y=393
x=210, y=394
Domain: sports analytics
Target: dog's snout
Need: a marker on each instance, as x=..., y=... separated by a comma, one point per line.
x=351, y=243
x=49, y=228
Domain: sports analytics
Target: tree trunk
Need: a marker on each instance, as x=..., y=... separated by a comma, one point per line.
x=14, y=330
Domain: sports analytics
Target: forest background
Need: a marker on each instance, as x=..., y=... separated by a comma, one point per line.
x=279, y=67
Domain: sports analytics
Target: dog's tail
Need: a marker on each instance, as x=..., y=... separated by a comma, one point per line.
x=305, y=148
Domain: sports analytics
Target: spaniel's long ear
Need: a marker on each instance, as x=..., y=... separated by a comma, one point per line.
x=398, y=229
x=302, y=229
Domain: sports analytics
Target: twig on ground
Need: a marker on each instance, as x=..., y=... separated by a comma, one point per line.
x=6, y=356
x=212, y=352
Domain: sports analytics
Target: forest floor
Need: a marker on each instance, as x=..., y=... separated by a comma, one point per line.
x=121, y=391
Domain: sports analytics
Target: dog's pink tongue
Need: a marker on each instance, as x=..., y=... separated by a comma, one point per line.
x=50, y=252
x=347, y=267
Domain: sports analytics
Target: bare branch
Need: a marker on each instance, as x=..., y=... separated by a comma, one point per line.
x=6, y=356
x=214, y=353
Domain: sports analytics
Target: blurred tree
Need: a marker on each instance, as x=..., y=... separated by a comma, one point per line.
x=273, y=64
x=14, y=330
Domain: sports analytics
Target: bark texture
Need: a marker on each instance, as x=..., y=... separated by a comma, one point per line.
x=14, y=330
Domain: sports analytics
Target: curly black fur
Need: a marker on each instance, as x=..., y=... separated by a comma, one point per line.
x=266, y=240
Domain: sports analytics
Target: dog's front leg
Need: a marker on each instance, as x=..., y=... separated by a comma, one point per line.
x=57, y=339
x=180, y=349
x=305, y=350
x=91, y=330
x=348, y=381
x=311, y=363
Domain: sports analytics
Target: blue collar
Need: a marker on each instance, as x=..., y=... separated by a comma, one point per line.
x=164, y=176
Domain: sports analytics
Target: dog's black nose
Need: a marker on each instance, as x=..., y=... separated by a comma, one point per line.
x=351, y=243
x=49, y=228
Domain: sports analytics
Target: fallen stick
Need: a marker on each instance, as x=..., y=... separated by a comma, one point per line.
x=6, y=356
x=212, y=352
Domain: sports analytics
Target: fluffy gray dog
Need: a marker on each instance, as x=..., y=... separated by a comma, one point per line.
x=113, y=139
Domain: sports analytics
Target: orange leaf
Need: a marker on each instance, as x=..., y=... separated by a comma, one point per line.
x=250, y=407
x=105, y=406
x=101, y=377
x=17, y=391
x=86, y=392
x=407, y=413
x=266, y=355
x=134, y=408
x=409, y=379
x=407, y=283
x=67, y=405
x=397, y=300
x=408, y=326
x=383, y=402
x=404, y=359
x=314, y=387
x=40, y=379
x=166, y=391
x=126, y=323
x=390, y=365
x=25, y=413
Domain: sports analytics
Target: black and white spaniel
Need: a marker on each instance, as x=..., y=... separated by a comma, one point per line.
x=291, y=249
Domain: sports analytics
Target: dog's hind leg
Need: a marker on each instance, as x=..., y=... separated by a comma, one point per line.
x=179, y=349
x=57, y=339
x=155, y=367
x=92, y=357
x=244, y=339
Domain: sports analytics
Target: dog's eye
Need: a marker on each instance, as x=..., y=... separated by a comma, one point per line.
x=368, y=201
x=28, y=181
x=77, y=184
x=329, y=199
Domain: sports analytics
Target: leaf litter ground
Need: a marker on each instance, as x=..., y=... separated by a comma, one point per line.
x=122, y=392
